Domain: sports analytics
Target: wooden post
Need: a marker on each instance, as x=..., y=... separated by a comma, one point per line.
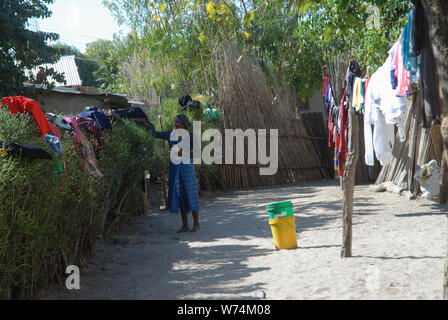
x=145, y=192
x=348, y=183
x=416, y=111
x=165, y=194
x=437, y=143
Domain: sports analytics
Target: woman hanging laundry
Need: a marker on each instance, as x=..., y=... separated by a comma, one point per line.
x=183, y=192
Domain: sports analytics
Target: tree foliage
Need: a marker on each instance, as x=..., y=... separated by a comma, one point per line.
x=21, y=48
x=173, y=45
x=105, y=54
x=364, y=30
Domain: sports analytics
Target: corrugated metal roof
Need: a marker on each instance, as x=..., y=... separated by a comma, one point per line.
x=67, y=66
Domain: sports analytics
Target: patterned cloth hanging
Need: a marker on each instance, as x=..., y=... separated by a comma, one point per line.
x=93, y=127
x=86, y=155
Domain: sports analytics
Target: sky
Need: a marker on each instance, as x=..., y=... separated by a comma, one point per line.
x=79, y=22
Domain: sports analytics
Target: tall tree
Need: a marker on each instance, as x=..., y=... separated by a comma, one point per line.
x=21, y=48
x=105, y=54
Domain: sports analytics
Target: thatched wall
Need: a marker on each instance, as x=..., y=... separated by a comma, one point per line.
x=247, y=101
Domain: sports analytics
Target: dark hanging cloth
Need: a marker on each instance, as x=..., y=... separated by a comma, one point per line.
x=429, y=87
x=194, y=104
x=131, y=113
x=100, y=118
x=26, y=151
x=416, y=28
x=335, y=114
x=353, y=71
x=393, y=79
x=184, y=100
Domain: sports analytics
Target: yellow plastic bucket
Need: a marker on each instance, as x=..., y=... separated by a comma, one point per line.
x=284, y=232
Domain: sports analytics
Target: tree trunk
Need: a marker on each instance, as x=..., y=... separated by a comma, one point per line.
x=348, y=182
x=436, y=12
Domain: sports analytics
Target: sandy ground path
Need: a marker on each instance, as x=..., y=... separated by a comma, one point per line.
x=399, y=249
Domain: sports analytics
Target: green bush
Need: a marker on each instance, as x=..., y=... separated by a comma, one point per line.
x=42, y=228
x=129, y=151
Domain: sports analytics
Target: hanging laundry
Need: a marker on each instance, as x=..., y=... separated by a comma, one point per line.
x=54, y=143
x=184, y=100
x=90, y=125
x=401, y=77
x=328, y=97
x=342, y=149
x=74, y=126
x=329, y=103
x=58, y=120
x=353, y=71
x=325, y=85
x=86, y=155
x=29, y=152
x=409, y=51
x=369, y=120
x=382, y=140
x=393, y=107
x=335, y=115
x=337, y=165
x=54, y=130
x=101, y=119
x=363, y=93
x=358, y=95
x=131, y=113
x=19, y=104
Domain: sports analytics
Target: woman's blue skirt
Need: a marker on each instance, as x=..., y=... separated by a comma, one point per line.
x=183, y=188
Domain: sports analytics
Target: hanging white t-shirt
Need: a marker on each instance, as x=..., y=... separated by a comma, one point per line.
x=381, y=141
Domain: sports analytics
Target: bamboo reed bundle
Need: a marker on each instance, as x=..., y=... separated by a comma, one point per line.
x=247, y=102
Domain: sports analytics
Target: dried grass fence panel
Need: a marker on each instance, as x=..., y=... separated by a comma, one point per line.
x=248, y=102
x=315, y=126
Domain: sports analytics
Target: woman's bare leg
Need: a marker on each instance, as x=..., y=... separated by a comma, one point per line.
x=184, y=221
x=196, y=221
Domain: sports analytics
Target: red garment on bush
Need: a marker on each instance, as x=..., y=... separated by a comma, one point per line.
x=20, y=104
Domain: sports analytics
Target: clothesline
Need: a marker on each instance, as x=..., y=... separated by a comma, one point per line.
x=94, y=122
x=382, y=99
